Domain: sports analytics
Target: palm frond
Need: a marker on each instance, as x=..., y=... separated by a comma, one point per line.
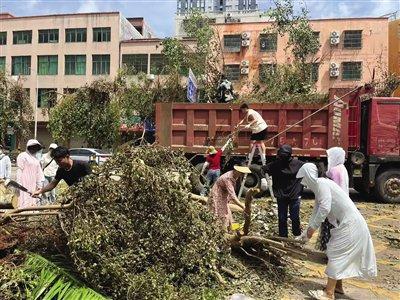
x=54, y=282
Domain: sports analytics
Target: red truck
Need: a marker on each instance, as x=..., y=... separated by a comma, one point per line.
x=368, y=128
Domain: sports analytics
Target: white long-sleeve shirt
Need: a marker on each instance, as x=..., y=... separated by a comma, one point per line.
x=5, y=167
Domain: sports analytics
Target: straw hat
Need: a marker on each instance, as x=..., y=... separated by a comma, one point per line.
x=211, y=150
x=244, y=170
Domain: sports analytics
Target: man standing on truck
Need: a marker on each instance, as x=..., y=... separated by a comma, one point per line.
x=287, y=188
x=254, y=121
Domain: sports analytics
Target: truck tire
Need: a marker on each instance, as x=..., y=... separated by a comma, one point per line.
x=388, y=186
x=198, y=181
x=254, y=180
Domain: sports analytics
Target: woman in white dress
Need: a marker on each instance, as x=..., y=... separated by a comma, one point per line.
x=350, y=250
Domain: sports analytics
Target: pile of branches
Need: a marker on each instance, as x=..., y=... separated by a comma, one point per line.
x=133, y=230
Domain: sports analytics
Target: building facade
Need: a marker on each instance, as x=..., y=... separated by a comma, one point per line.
x=218, y=11
x=351, y=49
x=52, y=55
x=185, y=6
x=394, y=50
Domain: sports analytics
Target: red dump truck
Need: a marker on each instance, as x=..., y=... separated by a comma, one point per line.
x=367, y=128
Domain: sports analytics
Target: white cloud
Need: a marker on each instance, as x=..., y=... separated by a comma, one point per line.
x=32, y=3
x=88, y=6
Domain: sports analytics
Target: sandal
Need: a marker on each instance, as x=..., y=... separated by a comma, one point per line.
x=320, y=295
x=340, y=292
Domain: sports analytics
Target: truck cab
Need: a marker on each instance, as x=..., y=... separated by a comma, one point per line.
x=377, y=163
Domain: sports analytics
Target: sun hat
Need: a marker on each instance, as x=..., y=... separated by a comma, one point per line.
x=33, y=142
x=211, y=150
x=244, y=170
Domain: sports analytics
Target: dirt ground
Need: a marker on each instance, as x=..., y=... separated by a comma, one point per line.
x=384, y=224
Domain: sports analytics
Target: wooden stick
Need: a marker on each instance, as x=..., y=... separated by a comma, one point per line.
x=286, y=240
x=247, y=210
x=201, y=199
x=229, y=272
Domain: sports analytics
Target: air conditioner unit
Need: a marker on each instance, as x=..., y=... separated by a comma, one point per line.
x=245, y=43
x=245, y=63
x=335, y=38
x=245, y=35
x=244, y=70
x=334, y=70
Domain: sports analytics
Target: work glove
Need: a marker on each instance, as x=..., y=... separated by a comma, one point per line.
x=247, y=126
x=264, y=184
x=303, y=237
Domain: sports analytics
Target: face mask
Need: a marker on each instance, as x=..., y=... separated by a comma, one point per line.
x=39, y=154
x=303, y=182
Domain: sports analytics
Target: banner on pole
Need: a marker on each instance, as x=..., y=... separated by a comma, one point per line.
x=192, y=87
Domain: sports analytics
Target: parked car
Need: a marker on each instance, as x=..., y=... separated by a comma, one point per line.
x=90, y=155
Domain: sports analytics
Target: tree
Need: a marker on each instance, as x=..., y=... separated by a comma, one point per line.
x=204, y=57
x=91, y=113
x=15, y=109
x=302, y=40
x=295, y=81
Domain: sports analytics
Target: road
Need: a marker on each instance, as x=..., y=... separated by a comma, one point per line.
x=384, y=224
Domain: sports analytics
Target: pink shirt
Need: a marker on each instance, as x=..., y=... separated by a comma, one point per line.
x=29, y=175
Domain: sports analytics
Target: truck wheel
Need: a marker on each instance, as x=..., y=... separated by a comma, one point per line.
x=388, y=186
x=254, y=180
x=197, y=180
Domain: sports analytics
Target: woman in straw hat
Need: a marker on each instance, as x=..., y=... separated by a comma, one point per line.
x=223, y=192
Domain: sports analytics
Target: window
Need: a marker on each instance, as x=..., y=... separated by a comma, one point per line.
x=22, y=37
x=232, y=72
x=102, y=34
x=75, y=35
x=75, y=64
x=268, y=42
x=48, y=36
x=46, y=98
x=100, y=64
x=47, y=65
x=157, y=64
x=351, y=70
x=314, y=72
x=316, y=35
x=3, y=38
x=136, y=63
x=68, y=91
x=266, y=70
x=2, y=64
x=21, y=65
x=232, y=43
x=352, y=39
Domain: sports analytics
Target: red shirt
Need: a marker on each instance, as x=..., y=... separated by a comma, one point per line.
x=214, y=161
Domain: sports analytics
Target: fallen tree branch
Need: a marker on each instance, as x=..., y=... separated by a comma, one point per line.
x=247, y=210
x=286, y=240
x=229, y=272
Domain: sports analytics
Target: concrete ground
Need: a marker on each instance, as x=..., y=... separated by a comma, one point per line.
x=384, y=224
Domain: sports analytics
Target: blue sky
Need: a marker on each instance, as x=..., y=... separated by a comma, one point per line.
x=160, y=13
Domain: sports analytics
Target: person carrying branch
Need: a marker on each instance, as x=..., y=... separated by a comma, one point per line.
x=350, y=250
x=223, y=192
x=254, y=121
x=69, y=170
x=213, y=165
x=287, y=188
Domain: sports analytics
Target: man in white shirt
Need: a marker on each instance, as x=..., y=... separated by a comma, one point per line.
x=254, y=121
x=50, y=167
x=5, y=165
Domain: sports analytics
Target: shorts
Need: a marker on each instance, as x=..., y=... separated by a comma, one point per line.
x=259, y=136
